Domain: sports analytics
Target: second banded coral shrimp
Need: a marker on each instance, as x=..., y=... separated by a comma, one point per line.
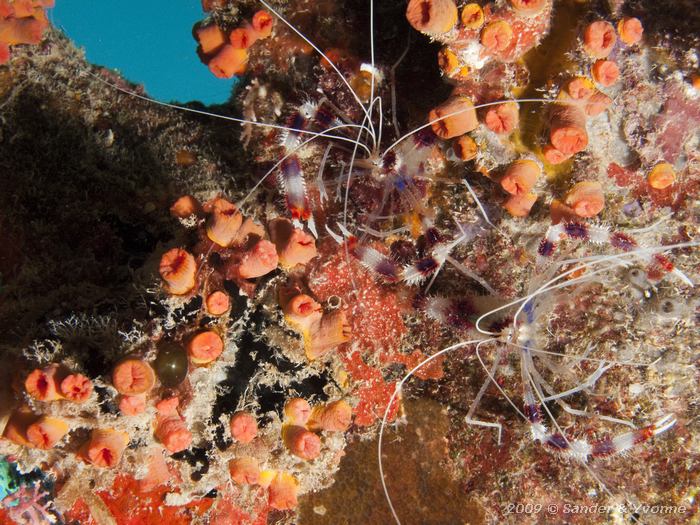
x=561, y=356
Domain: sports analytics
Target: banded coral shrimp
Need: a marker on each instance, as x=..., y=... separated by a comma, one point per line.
x=536, y=392
x=365, y=129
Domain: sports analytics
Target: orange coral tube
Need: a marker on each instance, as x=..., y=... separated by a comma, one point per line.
x=599, y=39
x=472, y=16
x=44, y=383
x=218, y=303
x=243, y=427
x=457, y=116
x=185, y=206
x=211, y=38
x=76, y=387
x=520, y=177
x=520, y=205
x=223, y=222
x=132, y=405
x=172, y=433
x=47, y=432
x=586, y=199
x=528, y=7
x=661, y=176
x=605, y=72
x=335, y=416
x=244, y=471
x=133, y=376
x=105, y=447
x=568, y=129
x=205, y=347
x=497, y=36
x=301, y=442
x=553, y=156
x=332, y=331
x=16, y=427
x=179, y=271
x=432, y=17
x=228, y=61
x=15, y=31
x=502, y=118
x=294, y=246
x=630, y=30
x=283, y=492
x=260, y=260
x=297, y=411
x=262, y=23
x=243, y=37
x=465, y=148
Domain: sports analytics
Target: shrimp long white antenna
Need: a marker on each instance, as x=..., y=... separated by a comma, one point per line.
x=479, y=205
x=394, y=395
x=285, y=157
x=335, y=68
x=216, y=115
x=470, y=108
x=393, y=86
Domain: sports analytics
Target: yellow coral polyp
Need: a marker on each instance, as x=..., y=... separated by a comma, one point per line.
x=472, y=16
x=661, y=176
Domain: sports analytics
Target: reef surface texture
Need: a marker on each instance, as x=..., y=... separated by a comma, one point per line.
x=433, y=263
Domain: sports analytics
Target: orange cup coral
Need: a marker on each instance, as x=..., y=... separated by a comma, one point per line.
x=47, y=432
x=44, y=384
x=661, y=176
x=630, y=30
x=599, y=39
x=105, y=447
x=283, y=491
x=605, y=72
x=297, y=411
x=243, y=427
x=335, y=416
x=433, y=17
x=178, y=270
x=244, y=471
x=76, y=387
x=228, y=62
x=133, y=376
x=586, y=199
x=301, y=442
x=520, y=177
x=205, y=347
x=260, y=260
x=497, y=36
x=218, y=303
x=453, y=118
x=502, y=118
x=223, y=222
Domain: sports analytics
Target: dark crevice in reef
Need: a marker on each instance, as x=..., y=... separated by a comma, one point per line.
x=253, y=354
x=72, y=216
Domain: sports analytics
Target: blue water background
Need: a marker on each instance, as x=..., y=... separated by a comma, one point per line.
x=150, y=42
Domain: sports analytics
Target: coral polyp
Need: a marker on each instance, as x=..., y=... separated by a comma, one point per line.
x=445, y=274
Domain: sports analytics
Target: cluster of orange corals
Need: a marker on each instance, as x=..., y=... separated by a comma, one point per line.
x=54, y=384
x=299, y=433
x=21, y=22
x=476, y=36
x=481, y=46
x=226, y=53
